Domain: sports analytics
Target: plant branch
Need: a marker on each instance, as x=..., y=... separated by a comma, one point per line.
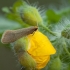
x=65, y=48
x=47, y=29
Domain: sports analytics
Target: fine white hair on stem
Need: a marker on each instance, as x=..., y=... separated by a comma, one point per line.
x=35, y=4
x=12, y=47
x=41, y=9
x=28, y=2
x=61, y=25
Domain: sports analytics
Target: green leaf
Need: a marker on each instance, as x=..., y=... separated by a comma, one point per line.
x=65, y=12
x=6, y=10
x=52, y=16
x=17, y=4
x=16, y=17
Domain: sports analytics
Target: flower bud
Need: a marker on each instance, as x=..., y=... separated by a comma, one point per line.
x=66, y=33
x=30, y=15
x=27, y=61
x=56, y=64
x=20, y=47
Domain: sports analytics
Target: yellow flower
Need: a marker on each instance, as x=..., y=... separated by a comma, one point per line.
x=34, y=50
x=40, y=49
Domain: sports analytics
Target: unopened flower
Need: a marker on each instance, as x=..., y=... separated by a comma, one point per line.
x=29, y=14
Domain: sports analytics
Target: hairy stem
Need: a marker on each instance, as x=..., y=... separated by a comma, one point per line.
x=47, y=29
x=65, y=48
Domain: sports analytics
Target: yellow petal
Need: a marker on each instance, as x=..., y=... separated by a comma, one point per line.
x=41, y=61
x=40, y=49
x=40, y=45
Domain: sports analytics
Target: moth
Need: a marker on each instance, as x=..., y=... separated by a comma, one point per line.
x=10, y=36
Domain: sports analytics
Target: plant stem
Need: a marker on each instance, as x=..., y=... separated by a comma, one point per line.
x=46, y=28
x=65, y=48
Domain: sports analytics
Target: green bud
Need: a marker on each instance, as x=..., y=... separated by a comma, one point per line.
x=29, y=14
x=21, y=44
x=56, y=64
x=24, y=58
x=27, y=61
x=66, y=33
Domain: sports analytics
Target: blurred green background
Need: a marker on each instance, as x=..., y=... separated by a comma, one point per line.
x=8, y=61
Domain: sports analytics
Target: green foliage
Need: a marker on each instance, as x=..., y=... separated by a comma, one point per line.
x=59, y=33
x=66, y=33
x=6, y=10
x=53, y=16
x=7, y=24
